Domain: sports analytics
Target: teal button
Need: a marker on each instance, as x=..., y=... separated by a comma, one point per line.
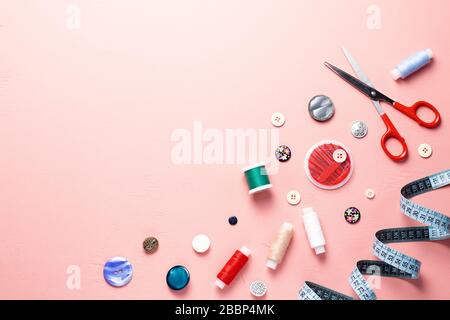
x=177, y=277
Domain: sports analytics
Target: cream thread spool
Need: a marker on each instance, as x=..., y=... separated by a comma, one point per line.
x=280, y=245
x=313, y=230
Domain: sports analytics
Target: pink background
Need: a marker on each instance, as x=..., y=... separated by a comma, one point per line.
x=86, y=118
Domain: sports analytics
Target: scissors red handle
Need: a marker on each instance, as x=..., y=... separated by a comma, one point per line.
x=392, y=133
x=412, y=113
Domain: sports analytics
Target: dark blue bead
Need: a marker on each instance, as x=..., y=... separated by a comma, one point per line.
x=233, y=220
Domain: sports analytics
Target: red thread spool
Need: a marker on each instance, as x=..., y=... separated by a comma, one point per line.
x=322, y=170
x=232, y=267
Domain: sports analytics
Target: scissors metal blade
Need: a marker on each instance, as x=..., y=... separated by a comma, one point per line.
x=362, y=76
x=356, y=68
x=358, y=84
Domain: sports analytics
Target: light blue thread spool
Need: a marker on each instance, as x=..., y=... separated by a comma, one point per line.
x=412, y=64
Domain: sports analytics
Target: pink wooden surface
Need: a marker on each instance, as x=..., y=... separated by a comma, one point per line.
x=86, y=118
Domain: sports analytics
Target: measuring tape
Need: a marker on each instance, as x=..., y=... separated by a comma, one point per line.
x=393, y=263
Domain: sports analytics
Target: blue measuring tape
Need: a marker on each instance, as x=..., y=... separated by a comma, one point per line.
x=392, y=262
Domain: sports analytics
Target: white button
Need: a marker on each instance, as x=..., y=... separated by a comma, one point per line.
x=293, y=197
x=339, y=155
x=370, y=194
x=201, y=243
x=278, y=119
x=425, y=150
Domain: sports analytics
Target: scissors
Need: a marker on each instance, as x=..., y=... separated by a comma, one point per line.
x=365, y=86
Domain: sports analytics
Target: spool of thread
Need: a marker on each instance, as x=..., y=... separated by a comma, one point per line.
x=279, y=246
x=232, y=267
x=257, y=178
x=313, y=230
x=412, y=64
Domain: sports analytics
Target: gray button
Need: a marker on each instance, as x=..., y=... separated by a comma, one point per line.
x=359, y=129
x=150, y=244
x=258, y=288
x=321, y=108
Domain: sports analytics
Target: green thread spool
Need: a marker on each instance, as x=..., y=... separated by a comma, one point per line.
x=257, y=178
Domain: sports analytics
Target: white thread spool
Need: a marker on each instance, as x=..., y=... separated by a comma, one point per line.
x=313, y=230
x=280, y=245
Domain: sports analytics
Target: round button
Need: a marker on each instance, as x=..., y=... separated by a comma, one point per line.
x=177, y=277
x=339, y=155
x=425, y=150
x=352, y=215
x=321, y=108
x=278, y=119
x=258, y=288
x=370, y=194
x=150, y=244
x=201, y=243
x=359, y=129
x=233, y=220
x=117, y=272
x=283, y=153
x=293, y=197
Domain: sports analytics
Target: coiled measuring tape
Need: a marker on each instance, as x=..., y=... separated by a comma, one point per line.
x=393, y=263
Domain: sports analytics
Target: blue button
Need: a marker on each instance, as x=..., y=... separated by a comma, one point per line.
x=118, y=272
x=177, y=277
